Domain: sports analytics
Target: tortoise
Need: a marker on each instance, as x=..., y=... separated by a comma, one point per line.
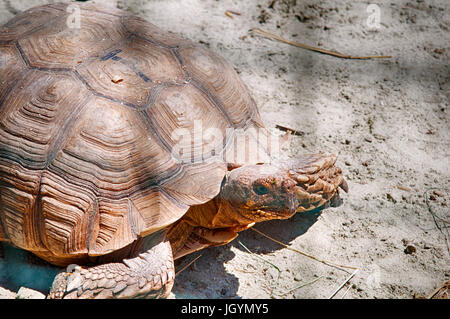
x=113, y=152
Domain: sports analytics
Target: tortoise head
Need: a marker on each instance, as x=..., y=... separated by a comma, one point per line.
x=278, y=191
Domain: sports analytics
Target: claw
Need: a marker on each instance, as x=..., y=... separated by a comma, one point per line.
x=344, y=185
x=336, y=200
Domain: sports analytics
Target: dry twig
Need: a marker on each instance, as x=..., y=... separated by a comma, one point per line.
x=301, y=286
x=317, y=259
x=265, y=260
x=190, y=263
x=249, y=251
x=287, y=129
x=229, y=13
x=440, y=228
x=308, y=47
x=403, y=188
x=345, y=293
x=305, y=254
x=342, y=285
x=279, y=275
x=441, y=291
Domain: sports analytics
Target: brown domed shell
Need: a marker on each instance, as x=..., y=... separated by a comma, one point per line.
x=87, y=115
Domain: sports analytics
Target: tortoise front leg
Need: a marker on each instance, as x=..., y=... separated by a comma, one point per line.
x=149, y=275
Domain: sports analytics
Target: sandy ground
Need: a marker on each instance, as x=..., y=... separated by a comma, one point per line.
x=388, y=120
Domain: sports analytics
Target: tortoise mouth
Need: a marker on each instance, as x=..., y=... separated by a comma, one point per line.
x=262, y=214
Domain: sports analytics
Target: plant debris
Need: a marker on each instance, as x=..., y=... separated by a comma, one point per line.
x=263, y=19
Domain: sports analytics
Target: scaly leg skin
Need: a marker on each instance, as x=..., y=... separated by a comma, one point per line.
x=149, y=275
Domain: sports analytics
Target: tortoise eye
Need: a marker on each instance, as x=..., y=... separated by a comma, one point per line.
x=260, y=189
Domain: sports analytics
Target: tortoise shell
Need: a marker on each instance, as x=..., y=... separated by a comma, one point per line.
x=88, y=159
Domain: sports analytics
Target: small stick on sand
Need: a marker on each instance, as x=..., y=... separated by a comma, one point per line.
x=312, y=257
x=263, y=259
x=403, y=188
x=438, y=289
x=342, y=285
x=304, y=254
x=444, y=233
x=190, y=263
x=345, y=293
x=301, y=286
x=234, y=12
x=323, y=51
x=229, y=13
x=287, y=129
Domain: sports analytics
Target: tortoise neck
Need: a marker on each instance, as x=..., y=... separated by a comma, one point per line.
x=217, y=213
